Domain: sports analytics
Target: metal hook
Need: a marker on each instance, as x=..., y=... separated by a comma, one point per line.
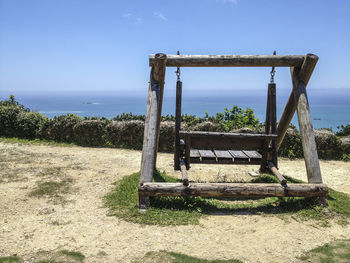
x=177, y=72
x=273, y=71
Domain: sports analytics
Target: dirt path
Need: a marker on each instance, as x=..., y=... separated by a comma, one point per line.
x=29, y=224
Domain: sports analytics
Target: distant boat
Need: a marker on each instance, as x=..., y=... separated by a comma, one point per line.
x=92, y=103
x=317, y=119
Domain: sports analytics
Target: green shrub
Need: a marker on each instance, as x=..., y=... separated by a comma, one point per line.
x=11, y=101
x=127, y=134
x=60, y=128
x=206, y=126
x=166, y=136
x=29, y=124
x=344, y=130
x=328, y=145
x=90, y=133
x=291, y=146
x=8, y=120
x=235, y=118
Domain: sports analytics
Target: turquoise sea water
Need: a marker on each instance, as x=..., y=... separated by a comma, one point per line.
x=326, y=111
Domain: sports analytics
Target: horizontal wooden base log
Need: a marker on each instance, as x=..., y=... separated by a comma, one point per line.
x=233, y=190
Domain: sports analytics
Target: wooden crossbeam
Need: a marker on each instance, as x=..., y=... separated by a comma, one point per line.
x=231, y=60
x=233, y=190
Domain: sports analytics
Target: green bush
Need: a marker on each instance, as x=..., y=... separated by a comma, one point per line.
x=8, y=120
x=90, y=133
x=291, y=146
x=60, y=128
x=206, y=126
x=127, y=134
x=328, y=145
x=344, y=130
x=166, y=136
x=235, y=118
x=29, y=124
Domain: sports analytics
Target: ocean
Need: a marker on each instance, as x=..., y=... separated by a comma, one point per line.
x=326, y=111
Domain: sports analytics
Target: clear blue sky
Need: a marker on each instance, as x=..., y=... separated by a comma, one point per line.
x=102, y=46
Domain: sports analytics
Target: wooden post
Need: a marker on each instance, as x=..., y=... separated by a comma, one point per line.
x=177, y=125
x=276, y=173
x=306, y=130
x=288, y=113
x=152, y=124
x=184, y=174
x=263, y=165
x=273, y=120
x=187, y=151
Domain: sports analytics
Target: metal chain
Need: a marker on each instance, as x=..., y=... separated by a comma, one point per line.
x=177, y=72
x=273, y=71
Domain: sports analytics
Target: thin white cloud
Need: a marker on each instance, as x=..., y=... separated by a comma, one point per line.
x=131, y=18
x=160, y=16
x=126, y=15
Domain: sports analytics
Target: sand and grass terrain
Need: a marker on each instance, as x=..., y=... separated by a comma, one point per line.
x=53, y=205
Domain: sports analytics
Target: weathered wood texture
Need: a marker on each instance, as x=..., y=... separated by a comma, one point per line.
x=177, y=125
x=276, y=173
x=231, y=60
x=290, y=108
x=184, y=172
x=224, y=157
x=225, y=141
x=266, y=144
x=152, y=123
x=272, y=87
x=306, y=130
x=232, y=189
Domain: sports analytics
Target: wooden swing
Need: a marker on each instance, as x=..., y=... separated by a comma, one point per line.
x=230, y=148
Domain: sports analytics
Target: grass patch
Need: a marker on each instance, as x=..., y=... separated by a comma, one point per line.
x=122, y=203
x=165, y=256
x=337, y=252
x=10, y=259
x=36, y=141
x=55, y=190
x=62, y=256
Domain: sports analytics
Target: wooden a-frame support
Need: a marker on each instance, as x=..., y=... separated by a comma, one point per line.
x=301, y=70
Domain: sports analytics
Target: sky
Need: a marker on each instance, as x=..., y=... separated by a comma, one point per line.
x=77, y=47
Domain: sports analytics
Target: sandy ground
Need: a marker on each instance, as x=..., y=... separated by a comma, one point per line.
x=29, y=224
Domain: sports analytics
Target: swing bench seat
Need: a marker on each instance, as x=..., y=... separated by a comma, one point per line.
x=223, y=148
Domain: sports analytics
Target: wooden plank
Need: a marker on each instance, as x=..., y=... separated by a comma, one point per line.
x=226, y=141
x=194, y=153
x=223, y=154
x=290, y=108
x=233, y=189
x=306, y=130
x=238, y=154
x=184, y=174
x=207, y=154
x=226, y=135
x=177, y=125
x=252, y=154
x=152, y=124
x=232, y=60
x=276, y=173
